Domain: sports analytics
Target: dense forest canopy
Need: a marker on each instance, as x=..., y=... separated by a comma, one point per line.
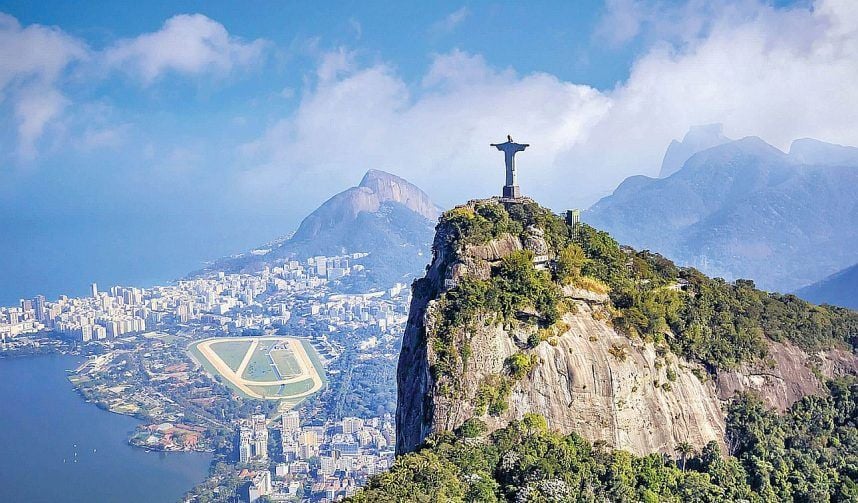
x=808, y=454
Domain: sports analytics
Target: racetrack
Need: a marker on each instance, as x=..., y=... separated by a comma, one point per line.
x=249, y=387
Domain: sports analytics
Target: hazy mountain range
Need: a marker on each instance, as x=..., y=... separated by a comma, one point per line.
x=732, y=208
x=841, y=289
x=698, y=138
x=744, y=209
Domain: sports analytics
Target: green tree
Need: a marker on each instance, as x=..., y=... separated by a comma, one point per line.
x=684, y=449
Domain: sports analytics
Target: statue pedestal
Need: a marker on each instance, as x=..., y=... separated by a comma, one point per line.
x=511, y=192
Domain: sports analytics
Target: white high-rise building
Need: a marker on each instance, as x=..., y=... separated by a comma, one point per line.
x=259, y=486
x=260, y=436
x=245, y=451
x=352, y=424
x=253, y=439
x=94, y=288
x=291, y=421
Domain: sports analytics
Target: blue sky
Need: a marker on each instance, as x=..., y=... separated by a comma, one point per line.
x=545, y=36
x=237, y=118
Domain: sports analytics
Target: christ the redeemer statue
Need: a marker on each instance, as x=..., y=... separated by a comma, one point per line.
x=510, y=148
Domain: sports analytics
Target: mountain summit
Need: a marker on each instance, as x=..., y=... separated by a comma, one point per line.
x=697, y=138
x=810, y=151
x=521, y=312
x=385, y=216
x=330, y=222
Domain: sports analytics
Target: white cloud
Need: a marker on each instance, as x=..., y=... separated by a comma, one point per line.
x=105, y=137
x=450, y=22
x=32, y=61
x=35, y=63
x=676, y=22
x=356, y=28
x=622, y=21
x=368, y=118
x=187, y=44
x=777, y=73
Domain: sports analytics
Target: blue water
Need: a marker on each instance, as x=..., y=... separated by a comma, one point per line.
x=65, y=256
x=43, y=423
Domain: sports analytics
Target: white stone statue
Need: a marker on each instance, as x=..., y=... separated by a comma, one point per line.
x=510, y=148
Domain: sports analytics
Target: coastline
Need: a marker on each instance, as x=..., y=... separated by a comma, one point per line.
x=80, y=438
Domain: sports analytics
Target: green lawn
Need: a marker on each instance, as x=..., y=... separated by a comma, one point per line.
x=231, y=352
x=286, y=363
x=259, y=368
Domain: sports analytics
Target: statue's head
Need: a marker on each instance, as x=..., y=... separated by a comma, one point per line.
x=509, y=137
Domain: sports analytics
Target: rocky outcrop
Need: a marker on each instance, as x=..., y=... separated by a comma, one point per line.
x=593, y=381
x=787, y=375
x=388, y=187
x=587, y=377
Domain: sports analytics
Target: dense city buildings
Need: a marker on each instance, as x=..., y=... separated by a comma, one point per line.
x=319, y=462
x=218, y=301
x=320, y=449
x=253, y=439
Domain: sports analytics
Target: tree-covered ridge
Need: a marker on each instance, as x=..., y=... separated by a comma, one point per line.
x=808, y=454
x=717, y=323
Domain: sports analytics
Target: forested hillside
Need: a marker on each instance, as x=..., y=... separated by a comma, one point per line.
x=808, y=454
x=515, y=282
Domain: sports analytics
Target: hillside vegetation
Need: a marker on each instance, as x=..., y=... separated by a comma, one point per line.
x=712, y=321
x=521, y=268
x=808, y=454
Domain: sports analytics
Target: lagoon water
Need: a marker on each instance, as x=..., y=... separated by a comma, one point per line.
x=56, y=447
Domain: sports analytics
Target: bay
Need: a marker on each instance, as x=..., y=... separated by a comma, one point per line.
x=54, y=446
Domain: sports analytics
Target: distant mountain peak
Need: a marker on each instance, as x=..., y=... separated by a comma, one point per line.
x=820, y=153
x=757, y=146
x=697, y=138
x=841, y=289
x=374, y=176
x=389, y=187
x=745, y=209
x=375, y=189
x=385, y=216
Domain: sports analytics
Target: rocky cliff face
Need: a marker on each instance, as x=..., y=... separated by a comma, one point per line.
x=588, y=377
x=787, y=375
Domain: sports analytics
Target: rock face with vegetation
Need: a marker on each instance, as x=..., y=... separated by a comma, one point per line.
x=806, y=454
x=521, y=313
